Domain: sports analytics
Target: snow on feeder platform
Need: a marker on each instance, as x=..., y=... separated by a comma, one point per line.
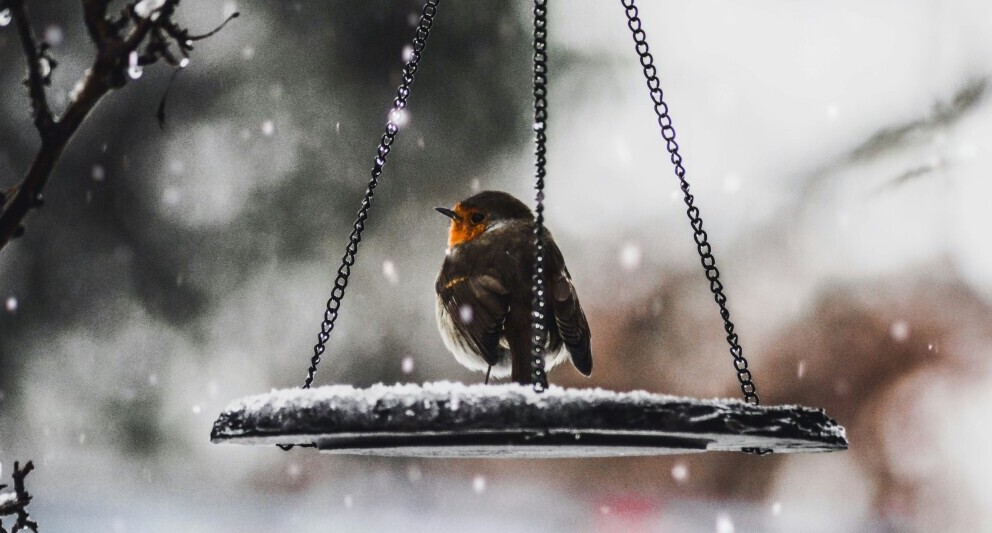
x=454, y=420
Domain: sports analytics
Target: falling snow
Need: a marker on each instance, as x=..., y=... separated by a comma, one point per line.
x=389, y=272
x=54, y=35
x=724, y=524
x=171, y=196
x=899, y=331
x=11, y=304
x=268, y=128
x=399, y=117
x=680, y=472
x=630, y=257
x=479, y=484
x=466, y=314
x=407, y=365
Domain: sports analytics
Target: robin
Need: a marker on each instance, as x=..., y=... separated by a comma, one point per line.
x=484, y=291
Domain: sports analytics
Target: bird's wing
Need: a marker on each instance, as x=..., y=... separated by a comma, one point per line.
x=569, y=317
x=477, y=306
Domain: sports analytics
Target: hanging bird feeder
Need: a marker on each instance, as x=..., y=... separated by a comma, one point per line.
x=455, y=420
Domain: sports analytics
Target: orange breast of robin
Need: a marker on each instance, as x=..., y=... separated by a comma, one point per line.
x=463, y=230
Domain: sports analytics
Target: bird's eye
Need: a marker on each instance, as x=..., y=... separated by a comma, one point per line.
x=477, y=218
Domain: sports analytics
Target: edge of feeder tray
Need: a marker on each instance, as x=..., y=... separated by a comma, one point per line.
x=444, y=419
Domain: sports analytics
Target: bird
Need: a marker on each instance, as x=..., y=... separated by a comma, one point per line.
x=484, y=291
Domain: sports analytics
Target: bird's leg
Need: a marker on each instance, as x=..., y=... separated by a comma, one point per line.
x=518, y=338
x=521, y=363
x=489, y=371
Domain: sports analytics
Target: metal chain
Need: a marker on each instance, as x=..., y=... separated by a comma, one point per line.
x=538, y=333
x=392, y=127
x=695, y=220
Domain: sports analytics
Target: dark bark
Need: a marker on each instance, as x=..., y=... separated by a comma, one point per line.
x=18, y=505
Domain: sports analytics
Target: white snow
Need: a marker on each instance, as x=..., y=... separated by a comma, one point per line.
x=724, y=524
x=630, y=256
x=301, y=399
x=145, y=8
x=399, y=117
x=339, y=418
x=54, y=35
x=7, y=498
x=899, y=331
x=389, y=272
x=466, y=314
x=479, y=484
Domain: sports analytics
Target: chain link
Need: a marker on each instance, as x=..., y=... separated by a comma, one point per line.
x=538, y=332
x=695, y=220
x=392, y=127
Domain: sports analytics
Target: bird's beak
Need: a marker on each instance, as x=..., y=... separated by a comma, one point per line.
x=447, y=212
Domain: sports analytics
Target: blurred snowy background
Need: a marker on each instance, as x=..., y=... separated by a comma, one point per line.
x=839, y=152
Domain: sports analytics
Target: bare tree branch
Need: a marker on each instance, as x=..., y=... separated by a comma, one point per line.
x=116, y=40
x=36, y=79
x=16, y=503
x=95, y=16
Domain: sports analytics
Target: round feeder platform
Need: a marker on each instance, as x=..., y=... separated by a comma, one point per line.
x=454, y=420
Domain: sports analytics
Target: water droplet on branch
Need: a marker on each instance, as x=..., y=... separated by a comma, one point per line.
x=134, y=70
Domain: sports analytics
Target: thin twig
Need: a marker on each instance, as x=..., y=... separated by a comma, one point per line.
x=109, y=71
